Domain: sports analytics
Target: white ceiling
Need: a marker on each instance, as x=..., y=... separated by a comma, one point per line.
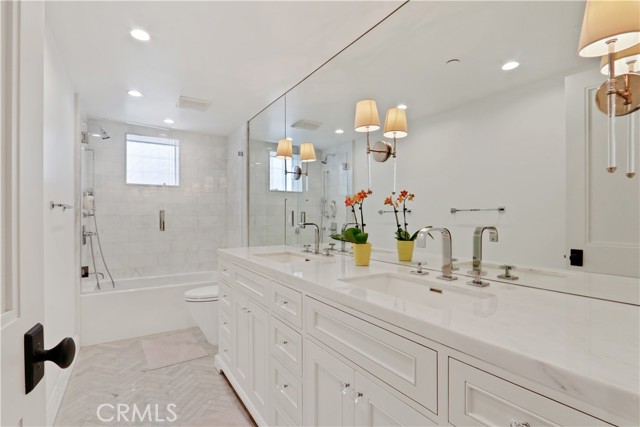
x=404, y=61
x=239, y=55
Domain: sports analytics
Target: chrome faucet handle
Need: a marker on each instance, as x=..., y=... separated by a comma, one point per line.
x=507, y=272
x=332, y=246
x=419, y=271
x=327, y=252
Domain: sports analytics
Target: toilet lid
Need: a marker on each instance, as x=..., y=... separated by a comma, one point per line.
x=200, y=294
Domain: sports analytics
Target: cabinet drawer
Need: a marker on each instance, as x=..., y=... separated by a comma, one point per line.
x=224, y=350
x=286, y=390
x=479, y=398
x=286, y=346
x=225, y=325
x=226, y=272
x=405, y=365
x=225, y=297
x=286, y=303
x=253, y=284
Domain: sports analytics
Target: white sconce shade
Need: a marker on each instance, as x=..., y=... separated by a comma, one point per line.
x=367, y=119
x=285, y=150
x=605, y=20
x=395, y=124
x=307, y=152
x=623, y=61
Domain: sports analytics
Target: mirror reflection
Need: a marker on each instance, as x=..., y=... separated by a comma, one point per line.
x=498, y=111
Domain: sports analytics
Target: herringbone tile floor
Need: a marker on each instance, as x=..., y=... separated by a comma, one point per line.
x=116, y=374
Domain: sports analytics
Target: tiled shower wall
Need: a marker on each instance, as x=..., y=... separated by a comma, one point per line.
x=128, y=215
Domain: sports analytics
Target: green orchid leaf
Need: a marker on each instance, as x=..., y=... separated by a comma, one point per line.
x=361, y=238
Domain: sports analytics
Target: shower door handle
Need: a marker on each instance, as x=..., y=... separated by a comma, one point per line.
x=162, y=220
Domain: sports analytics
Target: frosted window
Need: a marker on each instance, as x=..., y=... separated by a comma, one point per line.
x=153, y=161
x=278, y=181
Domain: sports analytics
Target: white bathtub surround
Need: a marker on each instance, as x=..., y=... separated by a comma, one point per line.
x=581, y=352
x=138, y=307
x=128, y=215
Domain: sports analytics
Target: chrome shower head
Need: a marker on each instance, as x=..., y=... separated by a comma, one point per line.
x=326, y=157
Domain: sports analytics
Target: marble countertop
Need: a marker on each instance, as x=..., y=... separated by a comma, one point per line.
x=584, y=347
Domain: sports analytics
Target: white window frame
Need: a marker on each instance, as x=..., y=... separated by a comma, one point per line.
x=145, y=139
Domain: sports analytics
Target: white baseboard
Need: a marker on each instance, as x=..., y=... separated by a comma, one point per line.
x=54, y=402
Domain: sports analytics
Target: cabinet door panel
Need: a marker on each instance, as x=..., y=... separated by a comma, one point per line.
x=241, y=332
x=377, y=407
x=258, y=358
x=326, y=378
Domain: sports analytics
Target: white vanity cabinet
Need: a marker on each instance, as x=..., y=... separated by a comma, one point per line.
x=243, y=325
x=299, y=358
x=338, y=395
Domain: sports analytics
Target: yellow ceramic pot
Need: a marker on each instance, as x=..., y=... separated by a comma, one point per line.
x=362, y=254
x=405, y=250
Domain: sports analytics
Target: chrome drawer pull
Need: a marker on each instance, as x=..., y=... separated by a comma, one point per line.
x=356, y=396
x=285, y=342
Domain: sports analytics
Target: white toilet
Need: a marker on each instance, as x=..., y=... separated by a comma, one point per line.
x=203, y=306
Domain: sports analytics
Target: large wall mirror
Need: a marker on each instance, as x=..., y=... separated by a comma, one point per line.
x=479, y=137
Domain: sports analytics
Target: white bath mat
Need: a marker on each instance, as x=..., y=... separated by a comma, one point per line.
x=171, y=350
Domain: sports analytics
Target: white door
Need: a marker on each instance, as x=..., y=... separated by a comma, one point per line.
x=21, y=215
x=603, y=209
x=328, y=388
x=377, y=407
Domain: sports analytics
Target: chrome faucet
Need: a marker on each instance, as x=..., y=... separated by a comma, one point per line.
x=303, y=225
x=344, y=228
x=447, y=263
x=477, y=254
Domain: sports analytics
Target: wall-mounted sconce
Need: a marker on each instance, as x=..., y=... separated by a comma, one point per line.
x=609, y=28
x=285, y=152
x=395, y=126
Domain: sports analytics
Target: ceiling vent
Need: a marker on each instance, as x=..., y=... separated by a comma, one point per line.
x=306, y=124
x=193, y=103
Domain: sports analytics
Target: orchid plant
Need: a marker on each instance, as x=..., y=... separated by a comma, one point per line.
x=400, y=203
x=356, y=234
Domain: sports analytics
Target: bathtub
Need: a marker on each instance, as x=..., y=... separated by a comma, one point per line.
x=137, y=307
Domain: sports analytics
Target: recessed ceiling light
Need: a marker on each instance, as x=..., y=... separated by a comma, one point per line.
x=402, y=106
x=511, y=65
x=97, y=135
x=141, y=35
x=290, y=139
x=339, y=131
x=168, y=121
x=135, y=93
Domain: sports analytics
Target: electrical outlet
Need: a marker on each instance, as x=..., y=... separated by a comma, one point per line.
x=84, y=271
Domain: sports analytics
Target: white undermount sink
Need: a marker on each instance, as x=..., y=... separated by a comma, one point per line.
x=286, y=257
x=418, y=290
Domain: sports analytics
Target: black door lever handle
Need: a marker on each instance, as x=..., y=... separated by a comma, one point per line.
x=35, y=355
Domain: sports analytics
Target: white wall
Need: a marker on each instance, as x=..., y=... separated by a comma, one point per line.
x=128, y=215
x=507, y=150
x=61, y=275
